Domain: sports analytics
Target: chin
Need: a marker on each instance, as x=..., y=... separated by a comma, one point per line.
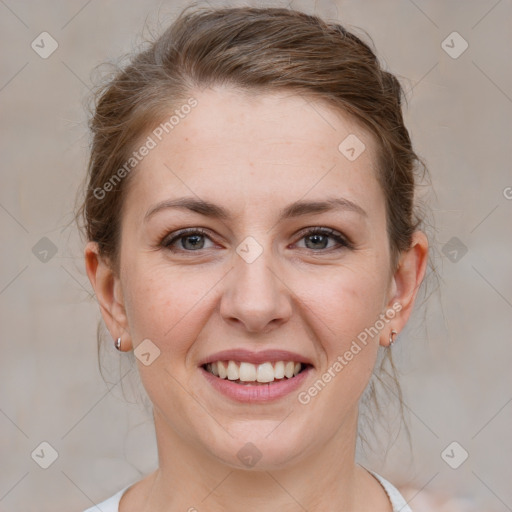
x=259, y=453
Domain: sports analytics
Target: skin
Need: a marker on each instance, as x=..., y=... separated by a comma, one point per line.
x=253, y=155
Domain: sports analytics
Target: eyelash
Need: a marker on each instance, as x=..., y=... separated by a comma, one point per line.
x=184, y=233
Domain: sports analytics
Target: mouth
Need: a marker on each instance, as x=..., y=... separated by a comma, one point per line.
x=244, y=382
x=249, y=374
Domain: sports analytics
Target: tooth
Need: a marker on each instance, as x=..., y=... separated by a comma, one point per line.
x=279, y=370
x=289, y=368
x=221, y=368
x=232, y=371
x=265, y=372
x=247, y=372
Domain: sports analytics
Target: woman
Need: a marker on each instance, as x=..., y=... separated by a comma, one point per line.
x=252, y=236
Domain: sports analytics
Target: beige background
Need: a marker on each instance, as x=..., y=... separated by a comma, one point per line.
x=455, y=355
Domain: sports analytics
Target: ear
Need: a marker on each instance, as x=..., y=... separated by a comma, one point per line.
x=107, y=287
x=405, y=284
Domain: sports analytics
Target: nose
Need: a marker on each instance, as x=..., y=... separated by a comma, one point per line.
x=255, y=296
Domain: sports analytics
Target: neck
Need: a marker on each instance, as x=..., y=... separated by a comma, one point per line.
x=325, y=478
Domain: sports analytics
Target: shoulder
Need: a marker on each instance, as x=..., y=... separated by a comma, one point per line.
x=397, y=500
x=109, y=505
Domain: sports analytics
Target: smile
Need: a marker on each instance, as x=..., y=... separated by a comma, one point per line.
x=249, y=383
x=244, y=372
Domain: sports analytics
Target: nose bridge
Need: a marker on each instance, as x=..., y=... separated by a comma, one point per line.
x=254, y=294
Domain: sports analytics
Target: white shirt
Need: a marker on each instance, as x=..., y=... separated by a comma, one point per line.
x=397, y=500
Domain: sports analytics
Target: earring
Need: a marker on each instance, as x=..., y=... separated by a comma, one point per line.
x=118, y=343
x=391, y=338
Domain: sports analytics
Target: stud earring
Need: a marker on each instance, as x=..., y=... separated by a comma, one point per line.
x=391, y=337
x=118, y=343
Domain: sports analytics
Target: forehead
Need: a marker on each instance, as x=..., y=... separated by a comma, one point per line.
x=235, y=146
x=294, y=121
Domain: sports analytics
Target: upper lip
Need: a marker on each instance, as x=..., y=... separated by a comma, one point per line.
x=241, y=354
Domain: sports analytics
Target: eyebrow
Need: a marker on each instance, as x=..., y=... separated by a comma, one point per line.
x=296, y=209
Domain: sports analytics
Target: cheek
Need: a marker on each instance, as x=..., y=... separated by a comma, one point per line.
x=161, y=303
x=341, y=316
x=346, y=301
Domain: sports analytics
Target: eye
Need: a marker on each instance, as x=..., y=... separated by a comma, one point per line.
x=190, y=240
x=320, y=236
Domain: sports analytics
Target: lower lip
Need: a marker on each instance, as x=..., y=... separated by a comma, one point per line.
x=258, y=392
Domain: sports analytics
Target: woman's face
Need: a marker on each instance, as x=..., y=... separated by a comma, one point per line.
x=256, y=280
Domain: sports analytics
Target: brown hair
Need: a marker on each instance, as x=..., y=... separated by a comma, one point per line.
x=255, y=50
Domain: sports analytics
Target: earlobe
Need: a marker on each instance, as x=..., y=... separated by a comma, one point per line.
x=406, y=282
x=108, y=293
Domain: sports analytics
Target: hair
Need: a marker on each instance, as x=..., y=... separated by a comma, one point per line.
x=253, y=50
